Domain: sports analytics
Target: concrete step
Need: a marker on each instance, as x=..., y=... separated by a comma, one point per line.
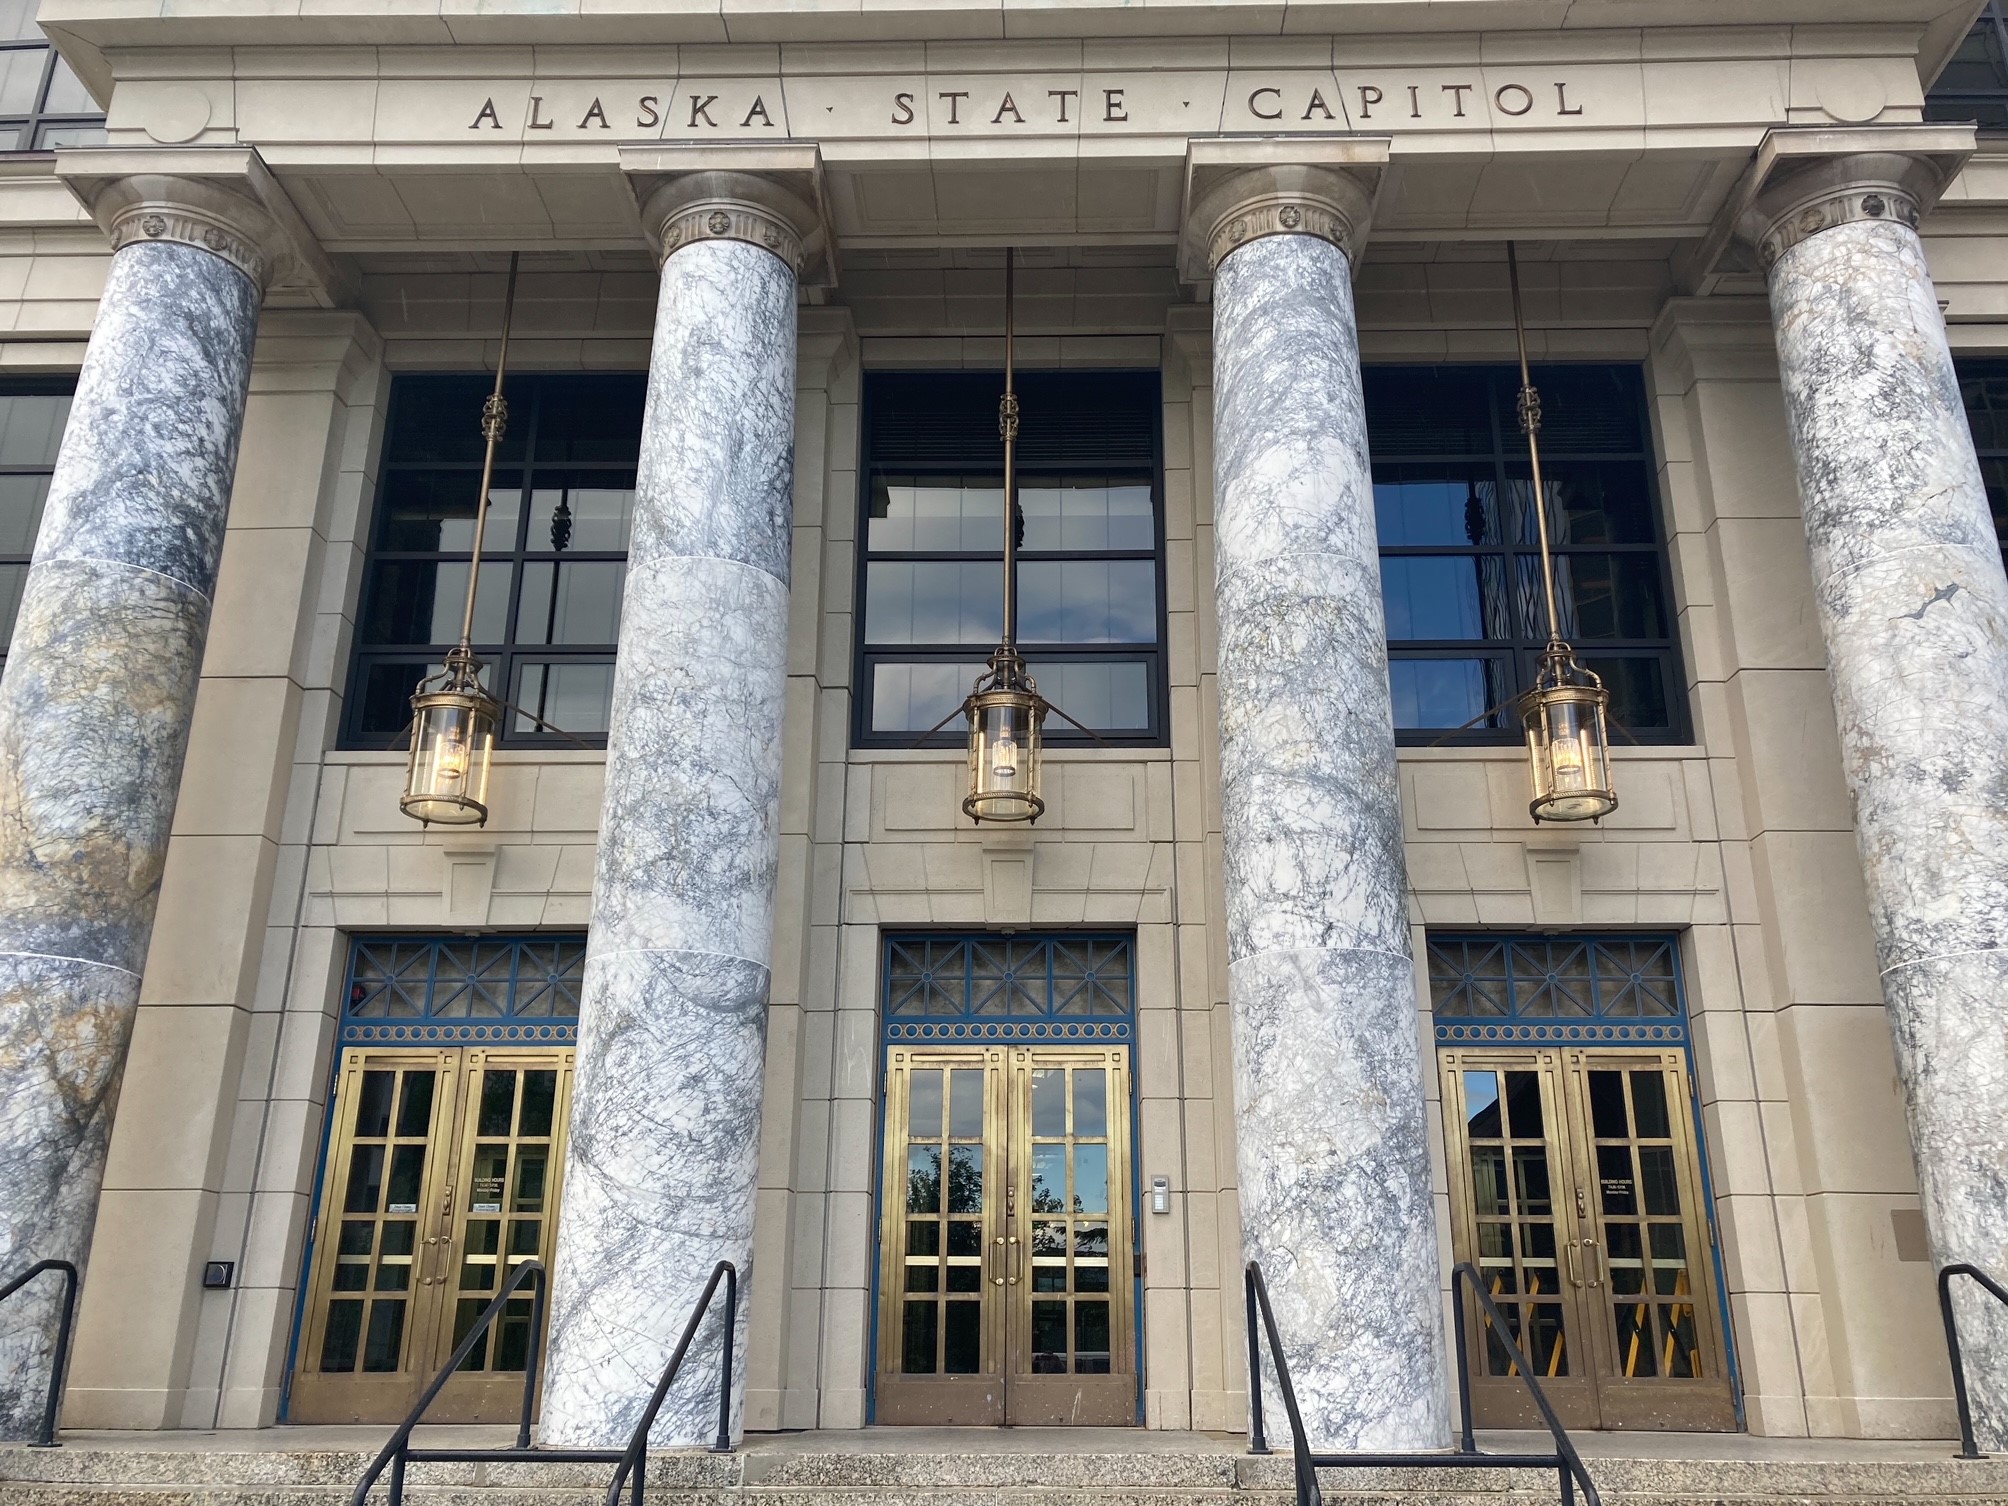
x=129, y=1475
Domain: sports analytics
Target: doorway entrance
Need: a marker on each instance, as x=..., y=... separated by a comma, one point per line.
x=1006, y=1249
x=442, y=1175
x=1576, y=1191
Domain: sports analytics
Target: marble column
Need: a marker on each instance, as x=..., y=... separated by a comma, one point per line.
x=1330, y=1125
x=95, y=706
x=1913, y=606
x=663, y=1160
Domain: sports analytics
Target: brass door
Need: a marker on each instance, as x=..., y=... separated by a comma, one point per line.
x=1578, y=1196
x=1006, y=1276
x=442, y=1173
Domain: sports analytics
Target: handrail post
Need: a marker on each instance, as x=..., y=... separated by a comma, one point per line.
x=397, y=1474
x=729, y=1338
x=1470, y=1441
x=1257, y=1443
x=530, y=1360
x=1968, y=1448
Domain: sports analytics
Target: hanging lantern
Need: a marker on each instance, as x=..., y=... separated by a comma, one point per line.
x=1565, y=713
x=1568, y=740
x=452, y=743
x=1007, y=719
x=453, y=718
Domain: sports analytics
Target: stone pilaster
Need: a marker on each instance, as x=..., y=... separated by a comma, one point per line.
x=1330, y=1125
x=1913, y=606
x=662, y=1167
x=96, y=701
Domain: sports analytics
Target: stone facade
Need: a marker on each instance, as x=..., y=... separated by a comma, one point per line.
x=388, y=180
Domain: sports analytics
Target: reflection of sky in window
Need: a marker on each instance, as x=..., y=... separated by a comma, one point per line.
x=1087, y=601
x=933, y=601
x=1438, y=692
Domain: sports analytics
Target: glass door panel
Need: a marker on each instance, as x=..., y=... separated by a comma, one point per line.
x=943, y=1249
x=441, y=1175
x=370, y=1305
x=1509, y=1189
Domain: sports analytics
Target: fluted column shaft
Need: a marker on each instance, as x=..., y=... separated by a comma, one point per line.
x=1331, y=1138
x=663, y=1160
x=1913, y=606
x=95, y=707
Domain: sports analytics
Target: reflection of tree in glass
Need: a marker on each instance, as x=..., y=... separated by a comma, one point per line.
x=965, y=1182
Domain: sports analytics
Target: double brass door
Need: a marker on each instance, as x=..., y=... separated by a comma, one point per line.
x=1006, y=1276
x=441, y=1176
x=1577, y=1194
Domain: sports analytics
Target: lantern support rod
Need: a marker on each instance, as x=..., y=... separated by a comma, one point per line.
x=494, y=424
x=1529, y=405
x=1007, y=427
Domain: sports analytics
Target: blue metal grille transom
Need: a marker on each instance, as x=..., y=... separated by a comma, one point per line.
x=1010, y=988
x=1579, y=989
x=428, y=990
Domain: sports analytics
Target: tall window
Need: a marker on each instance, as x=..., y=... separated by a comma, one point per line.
x=1090, y=602
x=1974, y=85
x=43, y=104
x=1460, y=555
x=1984, y=387
x=31, y=431
x=554, y=559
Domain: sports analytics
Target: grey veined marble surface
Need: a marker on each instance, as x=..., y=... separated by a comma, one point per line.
x=663, y=1161
x=1914, y=607
x=1334, y=1164
x=94, y=714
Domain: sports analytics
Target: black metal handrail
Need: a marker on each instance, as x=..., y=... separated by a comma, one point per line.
x=46, y=1438
x=1565, y=1461
x=1968, y=1449
x=635, y=1460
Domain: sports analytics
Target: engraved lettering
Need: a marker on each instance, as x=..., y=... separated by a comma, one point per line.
x=998, y=118
x=1318, y=103
x=702, y=107
x=536, y=112
x=1457, y=92
x=1369, y=97
x=902, y=109
x=592, y=113
x=1063, y=95
x=955, y=97
x=488, y=114
x=650, y=113
x=760, y=109
x=1415, y=101
x=1562, y=101
x=1275, y=114
x=1112, y=105
x=1521, y=95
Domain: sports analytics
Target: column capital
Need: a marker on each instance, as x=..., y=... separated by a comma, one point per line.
x=1809, y=179
x=222, y=200
x=1240, y=191
x=766, y=196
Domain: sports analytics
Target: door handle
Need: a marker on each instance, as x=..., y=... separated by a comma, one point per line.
x=1569, y=1250
x=1594, y=1262
x=1014, y=1259
x=997, y=1264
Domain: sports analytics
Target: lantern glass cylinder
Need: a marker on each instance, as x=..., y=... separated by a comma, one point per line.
x=1005, y=727
x=452, y=744
x=1568, y=749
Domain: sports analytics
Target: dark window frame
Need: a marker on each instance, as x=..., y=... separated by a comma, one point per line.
x=865, y=656
x=504, y=660
x=30, y=386
x=1944, y=103
x=1508, y=462
x=1993, y=458
x=39, y=121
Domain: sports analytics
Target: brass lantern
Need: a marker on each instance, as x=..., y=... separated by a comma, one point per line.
x=1566, y=711
x=1568, y=740
x=453, y=717
x=1006, y=713
x=1007, y=719
x=452, y=740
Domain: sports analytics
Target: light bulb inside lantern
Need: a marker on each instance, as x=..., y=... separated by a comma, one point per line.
x=452, y=758
x=1004, y=755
